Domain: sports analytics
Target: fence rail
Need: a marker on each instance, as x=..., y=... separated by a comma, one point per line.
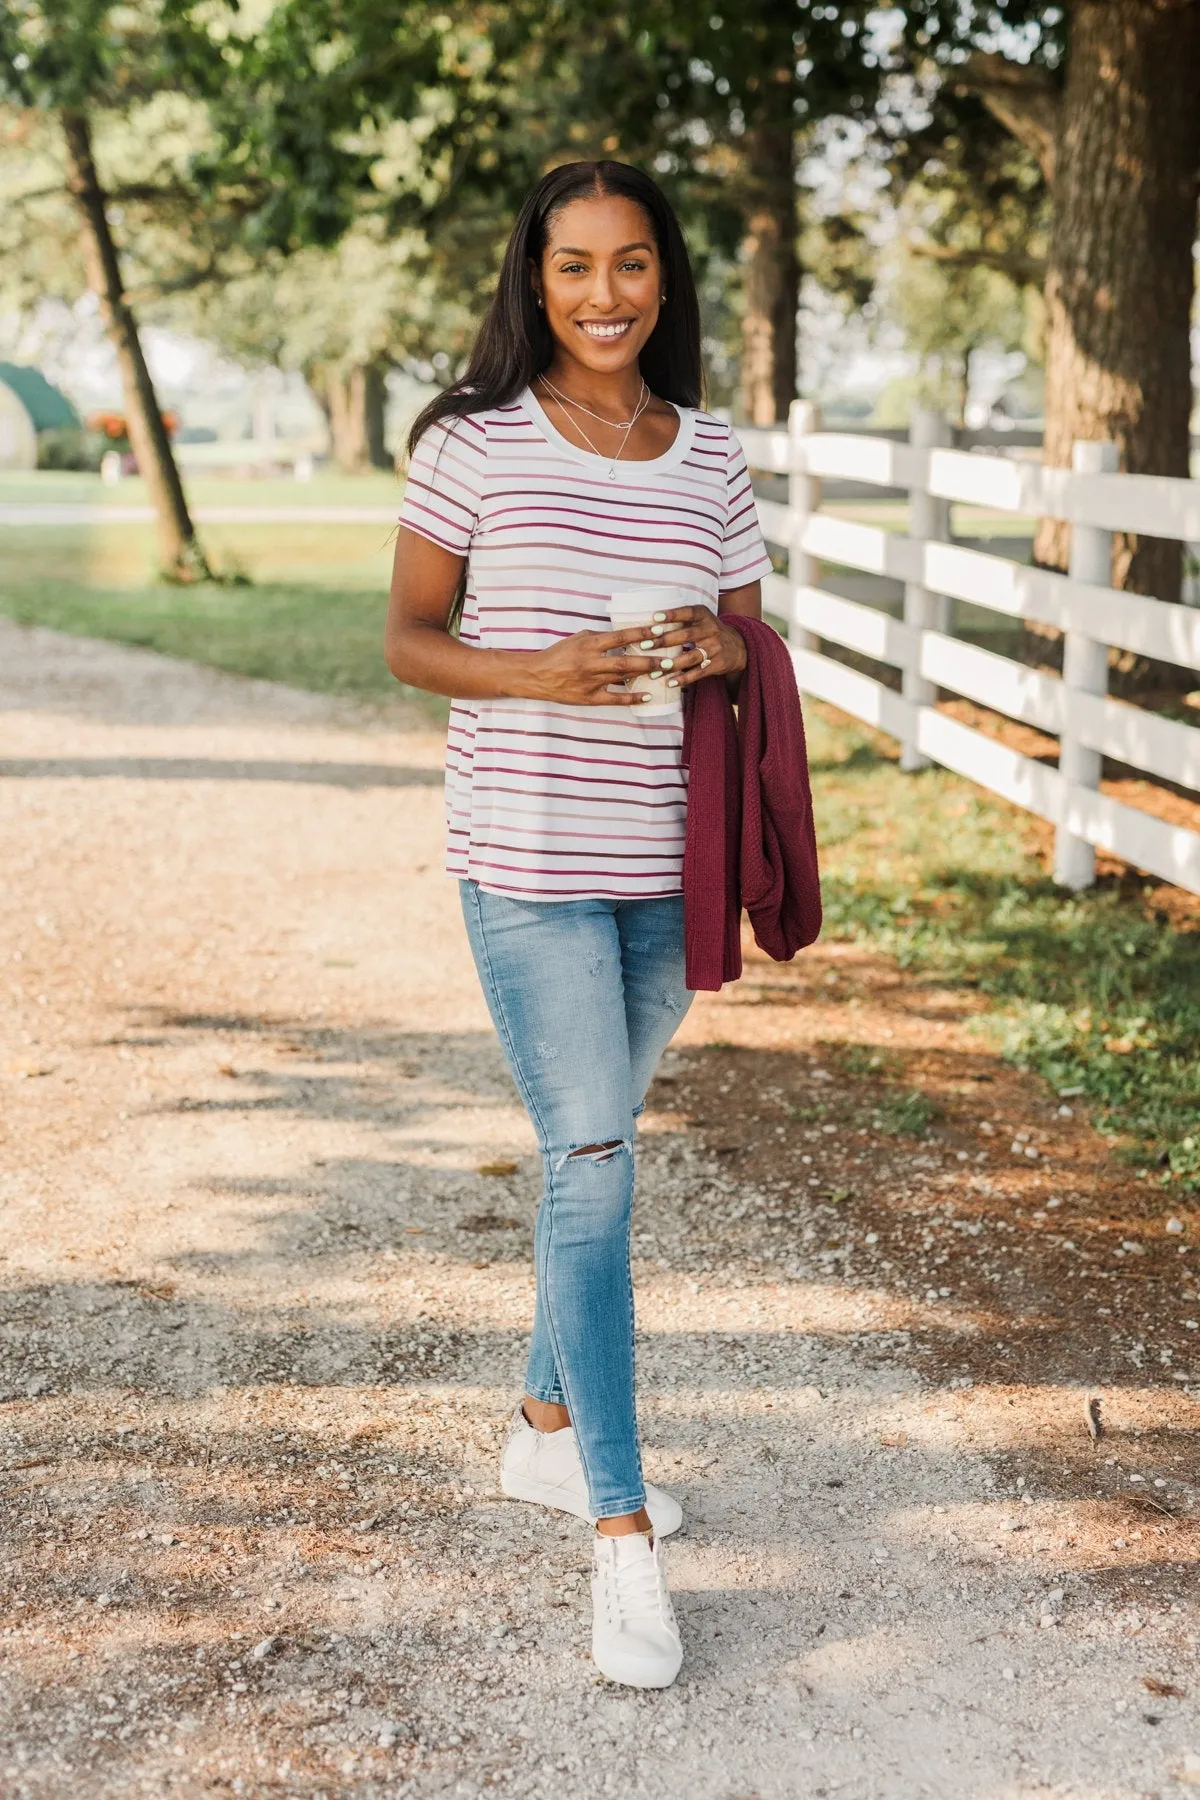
x=1074, y=707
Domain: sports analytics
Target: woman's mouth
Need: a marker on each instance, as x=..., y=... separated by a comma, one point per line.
x=605, y=331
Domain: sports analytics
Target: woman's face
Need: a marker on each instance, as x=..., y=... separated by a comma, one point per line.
x=600, y=281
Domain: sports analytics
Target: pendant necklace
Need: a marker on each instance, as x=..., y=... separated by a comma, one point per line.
x=623, y=425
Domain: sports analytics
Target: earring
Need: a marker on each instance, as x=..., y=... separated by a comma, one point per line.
x=539, y=300
x=662, y=299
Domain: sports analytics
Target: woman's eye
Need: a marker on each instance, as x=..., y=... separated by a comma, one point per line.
x=637, y=267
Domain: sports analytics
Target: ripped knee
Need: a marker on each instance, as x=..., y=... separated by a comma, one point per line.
x=596, y=1153
x=599, y=1152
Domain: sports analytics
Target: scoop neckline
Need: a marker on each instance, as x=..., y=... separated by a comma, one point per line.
x=589, y=458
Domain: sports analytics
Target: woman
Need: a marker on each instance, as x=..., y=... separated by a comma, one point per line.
x=573, y=463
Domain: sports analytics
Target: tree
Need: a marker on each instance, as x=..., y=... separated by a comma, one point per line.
x=720, y=106
x=1106, y=98
x=291, y=312
x=741, y=94
x=228, y=151
x=949, y=311
x=954, y=256
x=66, y=60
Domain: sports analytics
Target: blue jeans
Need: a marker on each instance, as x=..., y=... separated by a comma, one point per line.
x=585, y=995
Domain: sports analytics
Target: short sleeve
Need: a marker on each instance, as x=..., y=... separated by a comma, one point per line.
x=444, y=487
x=743, y=554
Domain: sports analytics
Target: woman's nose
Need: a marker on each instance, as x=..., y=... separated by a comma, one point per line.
x=602, y=295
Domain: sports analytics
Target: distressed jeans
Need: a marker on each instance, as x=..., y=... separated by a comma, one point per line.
x=585, y=996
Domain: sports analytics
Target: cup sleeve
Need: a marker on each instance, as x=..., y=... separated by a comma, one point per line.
x=743, y=554
x=444, y=485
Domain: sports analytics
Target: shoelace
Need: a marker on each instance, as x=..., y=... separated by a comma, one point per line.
x=637, y=1591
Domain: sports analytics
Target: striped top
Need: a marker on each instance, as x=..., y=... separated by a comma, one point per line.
x=555, y=802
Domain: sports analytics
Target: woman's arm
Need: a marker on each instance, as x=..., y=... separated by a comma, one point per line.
x=420, y=650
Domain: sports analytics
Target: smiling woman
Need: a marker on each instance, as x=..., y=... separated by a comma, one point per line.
x=568, y=484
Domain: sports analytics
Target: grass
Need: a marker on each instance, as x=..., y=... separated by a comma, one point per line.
x=1093, y=992
x=311, y=615
x=121, y=556
x=328, y=640
x=59, y=487
x=905, y=1113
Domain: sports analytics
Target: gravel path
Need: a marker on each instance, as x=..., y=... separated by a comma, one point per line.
x=267, y=1198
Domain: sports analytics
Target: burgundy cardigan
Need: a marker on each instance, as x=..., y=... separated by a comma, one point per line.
x=750, y=839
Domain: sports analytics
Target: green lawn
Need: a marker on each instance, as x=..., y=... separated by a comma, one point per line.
x=120, y=556
x=310, y=611
x=327, y=639
x=327, y=488
x=1092, y=992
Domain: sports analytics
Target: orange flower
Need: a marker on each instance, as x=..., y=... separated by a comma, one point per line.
x=110, y=425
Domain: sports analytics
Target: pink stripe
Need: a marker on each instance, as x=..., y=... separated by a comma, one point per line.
x=492, y=787
x=519, y=868
x=591, y=837
x=569, y=737
x=426, y=531
x=620, y=855
x=553, y=503
x=606, y=781
x=614, y=556
x=537, y=758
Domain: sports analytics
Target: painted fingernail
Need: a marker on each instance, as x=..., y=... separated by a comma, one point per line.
x=658, y=630
x=671, y=681
x=660, y=616
x=646, y=644
x=656, y=674
x=668, y=662
x=647, y=697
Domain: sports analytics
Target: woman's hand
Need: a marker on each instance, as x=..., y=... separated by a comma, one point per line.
x=580, y=670
x=697, y=645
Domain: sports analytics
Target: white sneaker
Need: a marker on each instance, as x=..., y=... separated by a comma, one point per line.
x=544, y=1467
x=635, y=1639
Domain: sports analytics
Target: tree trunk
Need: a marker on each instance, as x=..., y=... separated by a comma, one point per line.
x=179, y=554
x=353, y=403
x=1120, y=279
x=964, y=385
x=772, y=274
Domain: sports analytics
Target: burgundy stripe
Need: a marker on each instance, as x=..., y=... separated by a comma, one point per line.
x=563, y=756
x=517, y=869
x=591, y=837
x=626, y=799
x=599, y=781
x=569, y=737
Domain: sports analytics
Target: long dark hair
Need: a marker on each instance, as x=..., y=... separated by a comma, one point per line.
x=515, y=342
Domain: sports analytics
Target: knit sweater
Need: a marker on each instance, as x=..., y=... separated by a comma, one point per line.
x=750, y=840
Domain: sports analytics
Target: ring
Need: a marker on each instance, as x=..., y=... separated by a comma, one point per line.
x=705, y=659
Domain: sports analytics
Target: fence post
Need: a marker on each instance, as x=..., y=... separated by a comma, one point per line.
x=1085, y=670
x=804, y=499
x=928, y=522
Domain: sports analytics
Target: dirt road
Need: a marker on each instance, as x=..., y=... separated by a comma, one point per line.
x=264, y=1319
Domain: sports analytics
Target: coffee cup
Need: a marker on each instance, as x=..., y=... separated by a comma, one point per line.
x=637, y=606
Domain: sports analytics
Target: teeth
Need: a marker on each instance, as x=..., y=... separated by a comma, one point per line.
x=606, y=331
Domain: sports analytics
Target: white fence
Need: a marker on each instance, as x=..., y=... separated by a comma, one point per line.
x=1074, y=707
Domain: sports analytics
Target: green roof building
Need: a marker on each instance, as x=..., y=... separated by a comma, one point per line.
x=47, y=406
x=30, y=406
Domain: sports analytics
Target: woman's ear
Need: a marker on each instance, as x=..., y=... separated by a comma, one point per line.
x=535, y=282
